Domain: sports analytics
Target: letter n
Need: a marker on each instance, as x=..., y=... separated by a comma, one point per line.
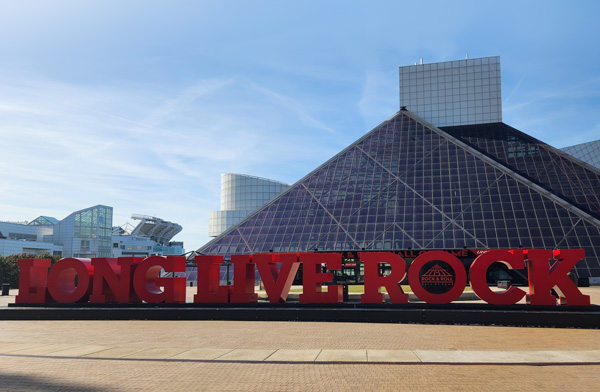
x=113, y=280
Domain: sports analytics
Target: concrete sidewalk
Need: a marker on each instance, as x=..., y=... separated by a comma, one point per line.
x=315, y=356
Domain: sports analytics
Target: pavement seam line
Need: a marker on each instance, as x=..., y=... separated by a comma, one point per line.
x=230, y=351
x=269, y=356
x=422, y=356
x=255, y=362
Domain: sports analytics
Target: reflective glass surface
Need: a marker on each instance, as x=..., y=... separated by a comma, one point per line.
x=405, y=185
x=543, y=164
x=588, y=152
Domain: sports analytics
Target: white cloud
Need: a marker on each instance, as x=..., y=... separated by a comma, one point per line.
x=67, y=147
x=293, y=106
x=586, y=89
x=379, y=97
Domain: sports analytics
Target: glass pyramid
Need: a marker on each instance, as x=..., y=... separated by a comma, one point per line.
x=409, y=185
x=588, y=152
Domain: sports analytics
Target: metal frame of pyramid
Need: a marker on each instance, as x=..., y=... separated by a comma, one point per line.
x=410, y=185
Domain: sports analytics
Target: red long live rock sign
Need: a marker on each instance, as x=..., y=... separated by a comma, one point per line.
x=132, y=280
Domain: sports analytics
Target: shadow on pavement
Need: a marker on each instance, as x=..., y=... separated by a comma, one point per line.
x=10, y=382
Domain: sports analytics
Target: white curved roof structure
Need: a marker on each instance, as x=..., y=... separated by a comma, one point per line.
x=155, y=228
x=241, y=194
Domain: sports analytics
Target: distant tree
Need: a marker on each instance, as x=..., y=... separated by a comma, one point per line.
x=9, y=265
x=11, y=269
x=53, y=258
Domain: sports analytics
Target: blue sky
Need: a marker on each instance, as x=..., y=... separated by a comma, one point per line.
x=141, y=105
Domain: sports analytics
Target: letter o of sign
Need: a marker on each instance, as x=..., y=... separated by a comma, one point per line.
x=61, y=280
x=431, y=298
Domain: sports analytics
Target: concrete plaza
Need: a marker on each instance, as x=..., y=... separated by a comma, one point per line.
x=281, y=356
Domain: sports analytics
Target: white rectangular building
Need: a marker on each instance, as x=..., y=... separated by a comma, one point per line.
x=459, y=92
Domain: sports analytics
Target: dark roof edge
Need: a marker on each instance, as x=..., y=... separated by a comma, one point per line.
x=570, y=207
x=558, y=151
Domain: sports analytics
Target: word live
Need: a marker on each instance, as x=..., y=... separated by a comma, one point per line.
x=133, y=280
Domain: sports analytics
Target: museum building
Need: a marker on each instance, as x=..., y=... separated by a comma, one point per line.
x=89, y=233
x=443, y=173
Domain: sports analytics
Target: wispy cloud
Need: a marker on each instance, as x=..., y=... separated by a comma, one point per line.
x=513, y=91
x=293, y=106
x=174, y=106
x=589, y=88
x=143, y=151
x=379, y=97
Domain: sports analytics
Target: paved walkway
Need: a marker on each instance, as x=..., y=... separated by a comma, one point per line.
x=205, y=354
x=295, y=356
